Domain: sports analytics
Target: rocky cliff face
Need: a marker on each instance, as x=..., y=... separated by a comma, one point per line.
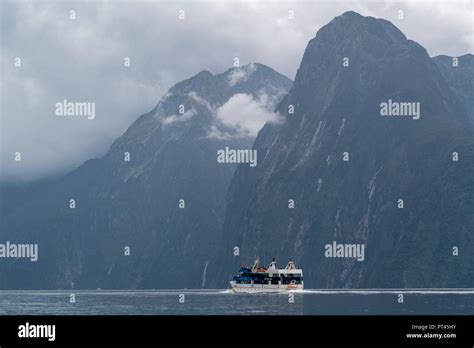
x=346, y=166
x=459, y=74
x=158, y=191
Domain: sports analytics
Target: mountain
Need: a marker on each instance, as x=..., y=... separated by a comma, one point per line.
x=346, y=165
x=157, y=195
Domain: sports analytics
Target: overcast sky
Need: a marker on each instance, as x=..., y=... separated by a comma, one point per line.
x=82, y=59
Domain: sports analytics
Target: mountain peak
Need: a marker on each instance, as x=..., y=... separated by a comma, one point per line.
x=353, y=26
x=249, y=69
x=237, y=75
x=203, y=73
x=350, y=15
x=198, y=81
x=349, y=46
x=253, y=73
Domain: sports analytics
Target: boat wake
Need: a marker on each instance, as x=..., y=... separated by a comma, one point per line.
x=387, y=291
x=226, y=291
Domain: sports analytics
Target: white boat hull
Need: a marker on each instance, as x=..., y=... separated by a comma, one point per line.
x=257, y=288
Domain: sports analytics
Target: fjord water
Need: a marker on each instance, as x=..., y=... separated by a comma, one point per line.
x=224, y=302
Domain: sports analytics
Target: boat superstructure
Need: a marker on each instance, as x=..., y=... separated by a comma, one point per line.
x=272, y=279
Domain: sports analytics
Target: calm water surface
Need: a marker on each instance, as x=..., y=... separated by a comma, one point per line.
x=223, y=302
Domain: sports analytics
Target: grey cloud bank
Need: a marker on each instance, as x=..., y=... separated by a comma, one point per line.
x=82, y=59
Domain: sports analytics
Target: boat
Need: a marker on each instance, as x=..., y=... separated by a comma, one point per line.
x=257, y=279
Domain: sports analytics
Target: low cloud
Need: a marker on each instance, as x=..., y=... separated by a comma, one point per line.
x=215, y=133
x=178, y=118
x=200, y=100
x=244, y=115
x=240, y=75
